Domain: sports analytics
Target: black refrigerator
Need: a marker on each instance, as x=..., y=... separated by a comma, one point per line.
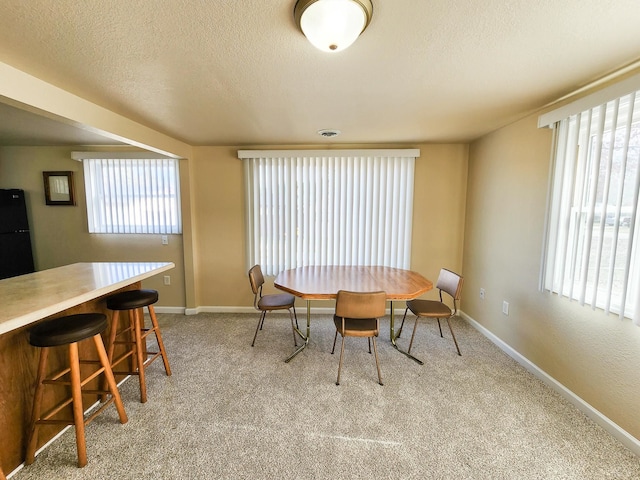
x=16, y=257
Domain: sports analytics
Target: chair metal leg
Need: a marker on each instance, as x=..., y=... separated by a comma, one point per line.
x=369, y=342
x=260, y=321
x=335, y=337
x=454, y=337
x=440, y=327
x=293, y=329
x=402, y=324
x=415, y=325
x=295, y=316
x=375, y=349
x=340, y=364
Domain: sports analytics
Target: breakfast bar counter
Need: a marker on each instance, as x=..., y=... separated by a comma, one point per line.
x=27, y=299
x=32, y=297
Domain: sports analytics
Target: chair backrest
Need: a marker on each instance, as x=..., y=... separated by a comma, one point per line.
x=257, y=280
x=450, y=283
x=361, y=304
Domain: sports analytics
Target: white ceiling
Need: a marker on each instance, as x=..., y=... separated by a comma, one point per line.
x=238, y=72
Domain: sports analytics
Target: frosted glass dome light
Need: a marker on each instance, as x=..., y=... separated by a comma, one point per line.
x=332, y=25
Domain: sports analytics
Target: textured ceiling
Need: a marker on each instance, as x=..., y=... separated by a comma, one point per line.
x=221, y=72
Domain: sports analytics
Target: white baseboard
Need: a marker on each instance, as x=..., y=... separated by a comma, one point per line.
x=611, y=427
x=178, y=310
x=300, y=309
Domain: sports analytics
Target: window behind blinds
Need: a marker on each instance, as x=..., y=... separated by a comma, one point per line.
x=133, y=195
x=329, y=208
x=592, y=247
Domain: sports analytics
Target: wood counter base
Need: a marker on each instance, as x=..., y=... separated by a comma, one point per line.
x=30, y=298
x=18, y=368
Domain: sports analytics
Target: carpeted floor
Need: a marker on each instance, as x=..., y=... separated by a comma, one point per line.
x=235, y=412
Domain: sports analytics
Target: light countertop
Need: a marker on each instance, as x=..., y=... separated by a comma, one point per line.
x=31, y=297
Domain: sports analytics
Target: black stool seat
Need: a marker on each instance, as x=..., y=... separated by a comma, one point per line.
x=132, y=299
x=69, y=329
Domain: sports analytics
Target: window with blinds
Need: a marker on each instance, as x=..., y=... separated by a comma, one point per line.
x=133, y=195
x=329, y=208
x=592, y=243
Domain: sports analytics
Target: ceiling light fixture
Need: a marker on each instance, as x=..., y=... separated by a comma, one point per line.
x=332, y=25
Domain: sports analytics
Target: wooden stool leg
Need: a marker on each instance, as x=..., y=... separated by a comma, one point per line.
x=137, y=329
x=111, y=381
x=115, y=317
x=78, y=410
x=110, y=347
x=32, y=441
x=156, y=329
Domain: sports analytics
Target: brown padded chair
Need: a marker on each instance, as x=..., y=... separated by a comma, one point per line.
x=357, y=315
x=448, y=282
x=267, y=303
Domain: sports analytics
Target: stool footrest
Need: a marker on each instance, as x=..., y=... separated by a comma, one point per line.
x=145, y=332
x=145, y=364
x=129, y=354
x=57, y=378
x=102, y=406
x=122, y=357
x=70, y=421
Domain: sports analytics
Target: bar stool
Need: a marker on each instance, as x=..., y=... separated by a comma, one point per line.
x=133, y=302
x=70, y=330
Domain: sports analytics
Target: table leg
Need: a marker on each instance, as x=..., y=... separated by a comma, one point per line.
x=305, y=338
x=392, y=333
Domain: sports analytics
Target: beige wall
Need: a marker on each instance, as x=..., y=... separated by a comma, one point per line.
x=218, y=205
x=59, y=234
x=594, y=355
x=213, y=185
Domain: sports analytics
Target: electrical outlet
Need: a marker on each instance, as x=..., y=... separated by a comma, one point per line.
x=165, y=240
x=482, y=294
x=505, y=307
x=167, y=280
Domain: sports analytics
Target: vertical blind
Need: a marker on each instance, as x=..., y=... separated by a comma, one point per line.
x=133, y=195
x=592, y=240
x=329, y=208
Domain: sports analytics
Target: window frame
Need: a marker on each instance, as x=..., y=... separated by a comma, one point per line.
x=594, y=178
x=116, y=180
x=311, y=199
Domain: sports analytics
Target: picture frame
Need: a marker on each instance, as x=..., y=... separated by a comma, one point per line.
x=59, y=188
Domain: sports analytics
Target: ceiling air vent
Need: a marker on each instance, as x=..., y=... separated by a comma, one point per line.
x=329, y=133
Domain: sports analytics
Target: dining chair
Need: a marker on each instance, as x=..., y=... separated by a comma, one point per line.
x=268, y=303
x=357, y=315
x=449, y=283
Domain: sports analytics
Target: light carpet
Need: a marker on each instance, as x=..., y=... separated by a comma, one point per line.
x=230, y=411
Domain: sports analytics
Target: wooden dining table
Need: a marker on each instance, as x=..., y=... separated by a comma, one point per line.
x=323, y=282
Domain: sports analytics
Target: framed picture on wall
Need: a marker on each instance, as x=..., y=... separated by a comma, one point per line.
x=58, y=188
